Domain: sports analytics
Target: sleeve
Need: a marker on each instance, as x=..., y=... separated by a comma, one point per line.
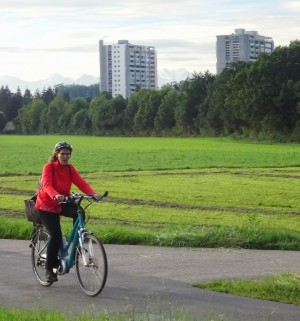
x=80, y=182
x=47, y=180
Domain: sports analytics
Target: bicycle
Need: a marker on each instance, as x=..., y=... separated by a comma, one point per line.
x=87, y=252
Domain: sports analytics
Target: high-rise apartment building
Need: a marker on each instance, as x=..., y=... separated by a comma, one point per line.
x=241, y=46
x=125, y=68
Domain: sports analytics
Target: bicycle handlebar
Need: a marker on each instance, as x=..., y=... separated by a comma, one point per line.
x=80, y=197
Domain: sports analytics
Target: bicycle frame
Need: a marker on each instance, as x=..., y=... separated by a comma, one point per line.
x=77, y=232
x=75, y=237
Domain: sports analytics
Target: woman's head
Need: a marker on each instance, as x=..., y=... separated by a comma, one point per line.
x=62, y=152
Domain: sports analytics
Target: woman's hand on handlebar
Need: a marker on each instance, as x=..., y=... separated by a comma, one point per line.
x=59, y=198
x=97, y=197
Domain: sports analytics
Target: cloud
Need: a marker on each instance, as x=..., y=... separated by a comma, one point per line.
x=291, y=6
x=65, y=33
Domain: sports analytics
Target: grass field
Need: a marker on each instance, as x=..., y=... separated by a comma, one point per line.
x=26, y=154
x=168, y=191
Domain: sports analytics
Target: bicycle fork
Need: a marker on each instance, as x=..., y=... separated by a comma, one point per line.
x=82, y=233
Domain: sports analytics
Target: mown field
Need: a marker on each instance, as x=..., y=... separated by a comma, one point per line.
x=167, y=191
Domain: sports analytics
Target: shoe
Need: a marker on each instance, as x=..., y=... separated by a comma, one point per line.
x=51, y=276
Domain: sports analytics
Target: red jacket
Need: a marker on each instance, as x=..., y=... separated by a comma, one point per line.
x=57, y=179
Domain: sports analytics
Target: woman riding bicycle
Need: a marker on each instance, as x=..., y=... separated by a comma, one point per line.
x=57, y=177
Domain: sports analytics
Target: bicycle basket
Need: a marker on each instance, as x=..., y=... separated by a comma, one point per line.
x=31, y=213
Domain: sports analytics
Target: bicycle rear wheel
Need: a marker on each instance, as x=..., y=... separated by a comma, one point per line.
x=39, y=255
x=91, y=265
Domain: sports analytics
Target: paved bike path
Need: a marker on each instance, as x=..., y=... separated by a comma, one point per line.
x=153, y=280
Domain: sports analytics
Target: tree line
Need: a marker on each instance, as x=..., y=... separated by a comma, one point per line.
x=257, y=100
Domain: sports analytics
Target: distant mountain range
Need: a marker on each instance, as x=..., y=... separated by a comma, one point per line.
x=164, y=76
x=13, y=82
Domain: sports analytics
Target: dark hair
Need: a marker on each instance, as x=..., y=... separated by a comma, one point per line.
x=53, y=157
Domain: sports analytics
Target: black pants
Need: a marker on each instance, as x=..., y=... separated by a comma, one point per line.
x=52, y=223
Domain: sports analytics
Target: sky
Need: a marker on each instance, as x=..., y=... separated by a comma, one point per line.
x=39, y=38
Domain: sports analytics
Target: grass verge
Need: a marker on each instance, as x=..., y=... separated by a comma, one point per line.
x=248, y=237
x=284, y=288
x=39, y=314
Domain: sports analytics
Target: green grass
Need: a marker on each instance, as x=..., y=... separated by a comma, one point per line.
x=154, y=312
x=38, y=314
x=284, y=288
x=26, y=154
x=226, y=205
x=251, y=208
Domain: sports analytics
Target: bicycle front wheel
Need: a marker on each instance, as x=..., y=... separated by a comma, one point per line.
x=39, y=255
x=91, y=265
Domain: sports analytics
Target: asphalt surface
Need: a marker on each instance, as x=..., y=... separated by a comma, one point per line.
x=153, y=281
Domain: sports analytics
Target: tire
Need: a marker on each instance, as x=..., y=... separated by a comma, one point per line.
x=91, y=277
x=39, y=255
